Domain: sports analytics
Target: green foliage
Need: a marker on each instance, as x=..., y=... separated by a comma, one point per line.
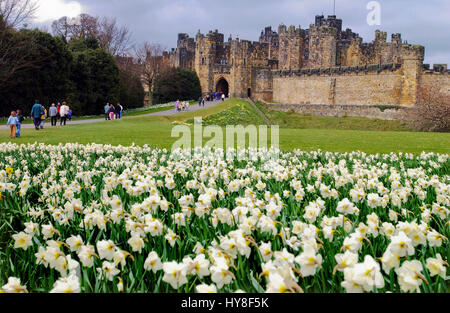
x=176, y=84
x=48, y=81
x=96, y=78
x=131, y=90
x=78, y=72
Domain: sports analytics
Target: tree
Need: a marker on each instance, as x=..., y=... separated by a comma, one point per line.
x=97, y=81
x=15, y=55
x=131, y=90
x=150, y=57
x=111, y=37
x=176, y=84
x=17, y=12
x=432, y=110
x=47, y=81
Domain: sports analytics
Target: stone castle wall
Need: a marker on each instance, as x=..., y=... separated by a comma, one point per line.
x=378, y=85
x=321, y=65
x=335, y=110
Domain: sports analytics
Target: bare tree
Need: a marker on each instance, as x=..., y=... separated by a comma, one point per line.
x=152, y=61
x=17, y=12
x=113, y=38
x=80, y=27
x=62, y=27
x=432, y=111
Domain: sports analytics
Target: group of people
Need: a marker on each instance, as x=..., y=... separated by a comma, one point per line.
x=181, y=106
x=216, y=96
x=113, y=112
x=39, y=114
x=60, y=112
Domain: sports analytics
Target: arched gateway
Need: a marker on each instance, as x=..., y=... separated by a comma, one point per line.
x=222, y=86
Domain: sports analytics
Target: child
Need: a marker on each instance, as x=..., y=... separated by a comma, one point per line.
x=69, y=115
x=20, y=119
x=12, y=122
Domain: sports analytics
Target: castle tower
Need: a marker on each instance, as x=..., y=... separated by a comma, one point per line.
x=205, y=56
x=412, y=64
x=322, y=46
x=240, y=70
x=291, y=48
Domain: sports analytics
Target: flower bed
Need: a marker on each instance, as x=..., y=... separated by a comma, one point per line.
x=96, y=218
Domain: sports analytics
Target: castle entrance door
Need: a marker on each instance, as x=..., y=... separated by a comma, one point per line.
x=222, y=86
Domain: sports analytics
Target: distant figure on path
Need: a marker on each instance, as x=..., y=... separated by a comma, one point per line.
x=200, y=101
x=118, y=111
x=112, y=112
x=36, y=113
x=64, y=112
x=203, y=102
x=53, y=113
x=58, y=109
x=107, y=112
x=69, y=115
x=20, y=120
x=121, y=110
x=43, y=117
x=12, y=122
x=223, y=97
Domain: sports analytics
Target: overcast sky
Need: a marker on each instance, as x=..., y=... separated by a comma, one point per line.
x=159, y=21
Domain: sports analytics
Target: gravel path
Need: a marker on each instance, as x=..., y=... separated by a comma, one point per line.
x=192, y=108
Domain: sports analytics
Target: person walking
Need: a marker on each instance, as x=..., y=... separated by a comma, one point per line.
x=117, y=111
x=203, y=102
x=12, y=122
x=107, y=112
x=43, y=117
x=36, y=113
x=200, y=101
x=69, y=115
x=64, y=112
x=53, y=113
x=58, y=109
x=120, y=110
x=223, y=97
x=111, y=112
x=20, y=120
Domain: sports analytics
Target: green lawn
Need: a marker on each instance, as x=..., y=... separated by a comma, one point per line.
x=156, y=131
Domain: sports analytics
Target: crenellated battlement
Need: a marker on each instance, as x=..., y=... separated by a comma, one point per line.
x=322, y=56
x=340, y=70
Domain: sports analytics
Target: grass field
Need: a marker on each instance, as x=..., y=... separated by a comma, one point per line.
x=155, y=131
x=295, y=120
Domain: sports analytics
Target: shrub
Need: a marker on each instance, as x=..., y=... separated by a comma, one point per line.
x=432, y=111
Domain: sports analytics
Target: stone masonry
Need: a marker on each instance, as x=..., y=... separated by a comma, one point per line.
x=322, y=65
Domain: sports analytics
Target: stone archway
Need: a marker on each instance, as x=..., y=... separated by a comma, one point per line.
x=223, y=86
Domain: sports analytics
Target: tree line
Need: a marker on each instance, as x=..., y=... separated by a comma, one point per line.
x=86, y=61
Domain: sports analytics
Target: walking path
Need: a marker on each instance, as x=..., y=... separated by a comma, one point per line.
x=192, y=108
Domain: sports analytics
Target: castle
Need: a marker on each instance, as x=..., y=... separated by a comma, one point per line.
x=322, y=65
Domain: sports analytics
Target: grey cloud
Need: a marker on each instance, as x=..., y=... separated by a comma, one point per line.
x=420, y=22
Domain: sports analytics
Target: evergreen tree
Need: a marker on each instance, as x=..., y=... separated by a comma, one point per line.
x=176, y=84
